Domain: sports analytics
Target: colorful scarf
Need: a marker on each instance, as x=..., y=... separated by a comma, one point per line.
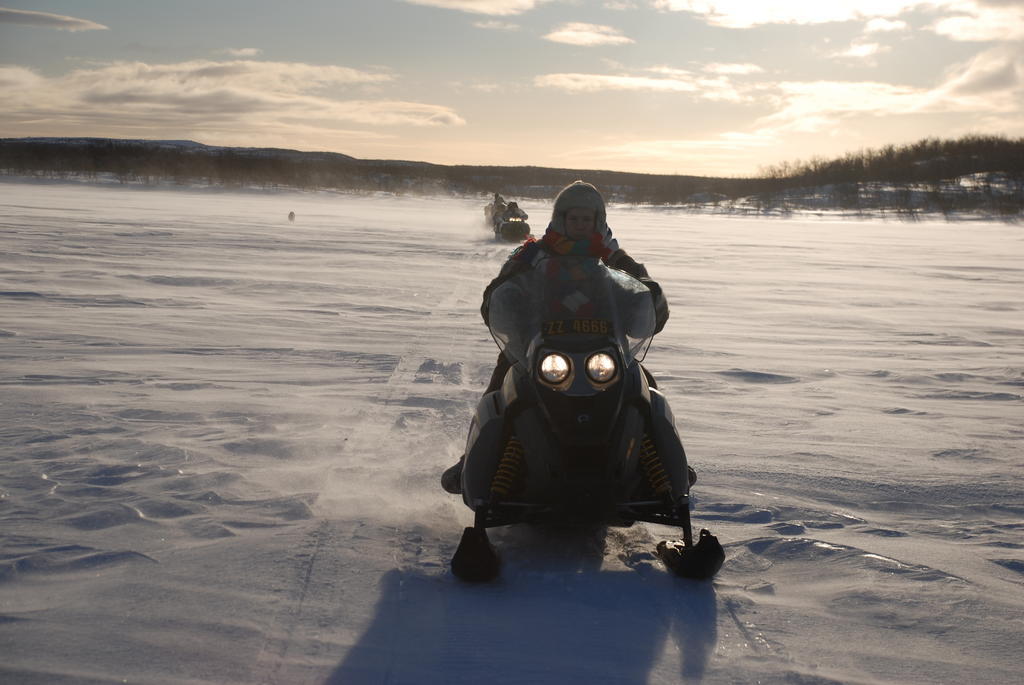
x=553, y=241
x=560, y=244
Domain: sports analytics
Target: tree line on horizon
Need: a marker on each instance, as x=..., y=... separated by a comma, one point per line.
x=926, y=163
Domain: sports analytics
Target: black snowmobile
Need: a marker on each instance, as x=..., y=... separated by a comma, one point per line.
x=513, y=229
x=576, y=433
x=507, y=221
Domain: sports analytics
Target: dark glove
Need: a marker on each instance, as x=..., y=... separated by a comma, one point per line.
x=660, y=304
x=623, y=262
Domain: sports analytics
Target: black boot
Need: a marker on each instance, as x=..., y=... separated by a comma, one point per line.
x=451, y=479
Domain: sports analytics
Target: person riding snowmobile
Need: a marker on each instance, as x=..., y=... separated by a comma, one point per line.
x=513, y=211
x=578, y=227
x=497, y=208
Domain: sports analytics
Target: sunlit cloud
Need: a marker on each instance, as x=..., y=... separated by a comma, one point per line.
x=803, y=108
x=985, y=22
x=861, y=50
x=494, y=25
x=578, y=33
x=670, y=80
x=478, y=86
x=734, y=69
x=672, y=72
x=992, y=81
x=815, y=106
x=715, y=88
x=963, y=20
x=255, y=76
x=47, y=20
x=499, y=8
x=590, y=83
x=989, y=83
x=989, y=87
x=199, y=95
x=743, y=14
x=241, y=52
x=882, y=25
x=14, y=79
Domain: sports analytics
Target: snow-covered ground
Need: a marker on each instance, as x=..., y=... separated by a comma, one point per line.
x=221, y=434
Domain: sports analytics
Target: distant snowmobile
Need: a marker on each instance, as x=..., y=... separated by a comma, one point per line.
x=576, y=433
x=507, y=220
x=513, y=229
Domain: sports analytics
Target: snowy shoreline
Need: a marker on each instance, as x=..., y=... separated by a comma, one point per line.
x=797, y=205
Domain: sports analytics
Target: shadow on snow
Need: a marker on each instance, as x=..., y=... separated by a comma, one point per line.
x=554, y=616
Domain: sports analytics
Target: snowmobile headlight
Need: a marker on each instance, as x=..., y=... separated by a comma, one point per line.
x=555, y=368
x=601, y=367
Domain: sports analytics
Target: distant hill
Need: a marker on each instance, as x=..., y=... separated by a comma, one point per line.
x=188, y=161
x=980, y=174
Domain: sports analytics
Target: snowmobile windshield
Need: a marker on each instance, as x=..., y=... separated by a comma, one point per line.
x=571, y=299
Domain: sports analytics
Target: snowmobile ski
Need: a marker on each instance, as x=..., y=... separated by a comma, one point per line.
x=698, y=562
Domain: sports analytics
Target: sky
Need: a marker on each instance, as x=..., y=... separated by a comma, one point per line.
x=703, y=87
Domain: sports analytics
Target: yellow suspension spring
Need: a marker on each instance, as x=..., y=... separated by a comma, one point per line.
x=656, y=476
x=510, y=469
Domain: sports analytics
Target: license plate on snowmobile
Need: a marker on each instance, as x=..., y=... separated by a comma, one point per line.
x=577, y=327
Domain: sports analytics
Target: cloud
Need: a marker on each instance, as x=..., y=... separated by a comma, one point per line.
x=743, y=14
x=984, y=22
x=717, y=88
x=991, y=83
x=986, y=90
x=591, y=83
x=241, y=52
x=962, y=20
x=882, y=25
x=493, y=25
x=284, y=78
x=861, y=50
x=18, y=78
x=480, y=86
x=499, y=8
x=47, y=20
x=235, y=96
x=993, y=80
x=672, y=72
x=578, y=33
x=812, y=105
x=670, y=80
x=734, y=69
